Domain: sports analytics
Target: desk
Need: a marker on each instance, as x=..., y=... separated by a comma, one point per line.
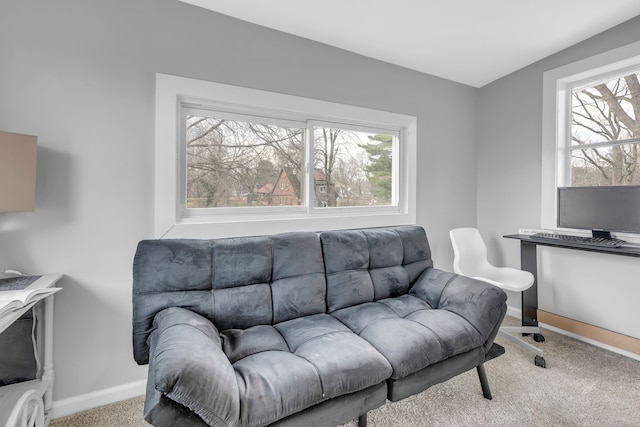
x=529, y=262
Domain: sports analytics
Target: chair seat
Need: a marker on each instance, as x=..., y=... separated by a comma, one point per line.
x=510, y=279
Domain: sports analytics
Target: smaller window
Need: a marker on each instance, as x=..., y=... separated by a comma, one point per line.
x=235, y=161
x=605, y=132
x=354, y=167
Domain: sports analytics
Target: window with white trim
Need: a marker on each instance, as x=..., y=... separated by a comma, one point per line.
x=232, y=162
x=241, y=155
x=590, y=125
x=237, y=161
x=605, y=131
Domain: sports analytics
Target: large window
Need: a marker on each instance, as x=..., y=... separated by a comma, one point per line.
x=243, y=156
x=246, y=161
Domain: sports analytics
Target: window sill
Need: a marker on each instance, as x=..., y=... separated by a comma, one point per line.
x=252, y=225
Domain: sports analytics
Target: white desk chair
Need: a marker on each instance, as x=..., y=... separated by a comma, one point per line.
x=470, y=259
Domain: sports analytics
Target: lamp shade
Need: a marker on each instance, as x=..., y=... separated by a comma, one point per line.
x=17, y=172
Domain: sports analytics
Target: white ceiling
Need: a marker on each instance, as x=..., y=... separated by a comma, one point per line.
x=468, y=41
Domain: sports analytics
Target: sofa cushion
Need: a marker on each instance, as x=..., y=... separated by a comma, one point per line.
x=298, y=285
x=240, y=343
x=241, y=276
x=479, y=303
x=372, y=264
x=346, y=259
x=417, y=252
x=273, y=385
x=168, y=273
x=409, y=333
x=285, y=368
x=345, y=362
x=385, y=248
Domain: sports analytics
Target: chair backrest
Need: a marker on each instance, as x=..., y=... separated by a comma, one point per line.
x=469, y=251
x=470, y=259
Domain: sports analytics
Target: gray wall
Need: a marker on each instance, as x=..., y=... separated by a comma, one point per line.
x=597, y=289
x=80, y=75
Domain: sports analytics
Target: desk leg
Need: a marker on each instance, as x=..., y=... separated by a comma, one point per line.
x=529, y=262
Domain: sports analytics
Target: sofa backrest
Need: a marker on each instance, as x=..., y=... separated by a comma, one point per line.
x=371, y=264
x=235, y=282
x=248, y=281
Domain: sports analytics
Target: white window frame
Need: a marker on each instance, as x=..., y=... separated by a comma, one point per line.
x=397, y=177
x=170, y=220
x=228, y=112
x=556, y=120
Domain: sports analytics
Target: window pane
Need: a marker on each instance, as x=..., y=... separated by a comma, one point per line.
x=613, y=165
x=352, y=168
x=606, y=111
x=233, y=163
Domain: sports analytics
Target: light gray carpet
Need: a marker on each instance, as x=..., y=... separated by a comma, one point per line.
x=582, y=385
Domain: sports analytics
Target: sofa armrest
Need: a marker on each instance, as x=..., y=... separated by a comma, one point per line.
x=190, y=368
x=483, y=305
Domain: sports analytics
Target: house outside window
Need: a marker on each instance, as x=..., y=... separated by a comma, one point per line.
x=234, y=163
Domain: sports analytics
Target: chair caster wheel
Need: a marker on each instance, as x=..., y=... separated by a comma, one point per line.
x=538, y=338
x=539, y=361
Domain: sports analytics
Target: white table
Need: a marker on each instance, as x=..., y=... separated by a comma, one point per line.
x=28, y=404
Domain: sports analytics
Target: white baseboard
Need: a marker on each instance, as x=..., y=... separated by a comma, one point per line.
x=72, y=405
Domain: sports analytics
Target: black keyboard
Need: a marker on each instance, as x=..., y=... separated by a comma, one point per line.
x=579, y=240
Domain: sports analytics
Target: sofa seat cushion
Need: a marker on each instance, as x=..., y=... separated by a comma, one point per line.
x=273, y=385
x=293, y=365
x=409, y=333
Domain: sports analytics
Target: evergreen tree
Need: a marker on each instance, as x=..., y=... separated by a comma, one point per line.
x=379, y=169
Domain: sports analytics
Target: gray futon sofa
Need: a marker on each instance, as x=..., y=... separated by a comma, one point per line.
x=302, y=328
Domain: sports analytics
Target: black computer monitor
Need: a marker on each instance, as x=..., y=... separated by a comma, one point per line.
x=611, y=208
